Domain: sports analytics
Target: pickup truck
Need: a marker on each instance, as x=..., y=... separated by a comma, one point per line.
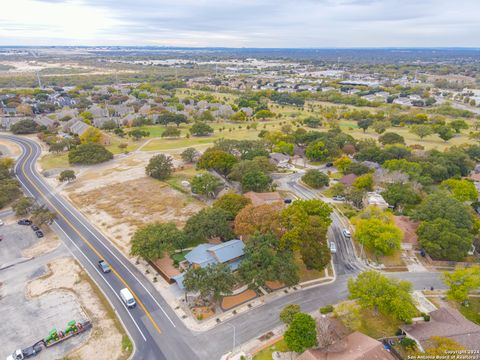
x=104, y=266
x=30, y=351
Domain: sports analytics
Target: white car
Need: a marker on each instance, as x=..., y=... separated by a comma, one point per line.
x=1, y=223
x=346, y=233
x=333, y=247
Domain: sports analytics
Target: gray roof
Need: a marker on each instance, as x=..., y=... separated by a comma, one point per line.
x=207, y=254
x=79, y=127
x=228, y=250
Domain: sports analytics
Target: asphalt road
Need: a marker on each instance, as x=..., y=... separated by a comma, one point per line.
x=344, y=259
x=152, y=325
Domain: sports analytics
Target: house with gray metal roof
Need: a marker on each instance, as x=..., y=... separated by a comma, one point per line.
x=203, y=255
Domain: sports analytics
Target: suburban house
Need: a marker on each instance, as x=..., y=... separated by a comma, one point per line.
x=445, y=322
x=203, y=255
x=357, y=346
x=264, y=198
x=279, y=159
x=348, y=179
x=374, y=199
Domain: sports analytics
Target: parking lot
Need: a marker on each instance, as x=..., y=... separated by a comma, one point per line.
x=26, y=318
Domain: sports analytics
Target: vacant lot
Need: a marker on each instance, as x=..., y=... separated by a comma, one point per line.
x=119, y=198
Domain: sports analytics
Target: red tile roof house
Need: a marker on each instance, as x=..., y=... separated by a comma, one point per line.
x=358, y=347
x=445, y=322
x=348, y=180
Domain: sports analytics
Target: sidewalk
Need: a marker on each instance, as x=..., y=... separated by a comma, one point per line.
x=174, y=296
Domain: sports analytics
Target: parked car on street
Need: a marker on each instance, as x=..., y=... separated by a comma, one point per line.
x=333, y=247
x=24, y=222
x=339, y=198
x=35, y=227
x=39, y=234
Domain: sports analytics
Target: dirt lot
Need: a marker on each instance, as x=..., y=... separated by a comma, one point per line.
x=118, y=198
x=105, y=339
x=9, y=149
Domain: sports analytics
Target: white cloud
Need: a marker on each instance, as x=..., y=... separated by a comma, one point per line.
x=238, y=23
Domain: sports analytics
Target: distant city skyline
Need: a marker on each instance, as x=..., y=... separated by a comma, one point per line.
x=242, y=23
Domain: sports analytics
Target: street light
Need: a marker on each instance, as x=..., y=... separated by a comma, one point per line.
x=233, y=335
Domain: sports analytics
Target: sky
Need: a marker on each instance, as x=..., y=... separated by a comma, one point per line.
x=242, y=23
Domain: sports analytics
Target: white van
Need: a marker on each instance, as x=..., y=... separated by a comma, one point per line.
x=127, y=298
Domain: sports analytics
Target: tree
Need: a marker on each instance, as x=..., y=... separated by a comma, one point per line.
x=462, y=190
x=312, y=122
x=201, y=129
x=301, y=333
x=315, y=178
x=189, y=155
x=342, y=163
x=265, y=261
x=381, y=126
x=264, y=114
x=153, y=241
x=439, y=346
x=441, y=205
x=443, y=240
x=232, y=203
x=378, y=233
x=400, y=195
x=205, y=184
x=91, y=136
x=364, y=124
x=461, y=282
x=23, y=206
x=364, y=182
x=317, y=151
x=89, y=154
x=288, y=312
x=25, y=127
x=357, y=168
x=160, y=167
x=444, y=132
x=212, y=281
x=355, y=196
x=208, y=223
x=67, y=175
x=421, y=130
x=137, y=134
x=458, y=125
x=257, y=164
x=217, y=160
x=391, y=138
x=41, y=215
x=284, y=148
x=262, y=218
x=256, y=181
x=391, y=297
x=171, y=132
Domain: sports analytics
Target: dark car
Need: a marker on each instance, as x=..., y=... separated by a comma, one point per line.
x=24, y=222
x=104, y=266
x=329, y=164
x=287, y=201
x=35, y=227
x=39, y=234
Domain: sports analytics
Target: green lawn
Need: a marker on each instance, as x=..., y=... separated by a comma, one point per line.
x=377, y=325
x=54, y=161
x=266, y=354
x=472, y=312
x=179, y=257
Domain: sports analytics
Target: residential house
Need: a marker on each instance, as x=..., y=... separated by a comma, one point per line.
x=279, y=159
x=445, y=322
x=374, y=199
x=203, y=255
x=76, y=126
x=264, y=198
x=44, y=121
x=357, y=346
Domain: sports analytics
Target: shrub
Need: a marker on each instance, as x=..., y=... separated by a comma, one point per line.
x=315, y=178
x=326, y=309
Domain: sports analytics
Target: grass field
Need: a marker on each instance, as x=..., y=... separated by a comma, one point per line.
x=54, y=161
x=472, y=312
x=266, y=354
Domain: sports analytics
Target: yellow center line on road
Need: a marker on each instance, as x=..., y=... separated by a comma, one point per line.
x=30, y=153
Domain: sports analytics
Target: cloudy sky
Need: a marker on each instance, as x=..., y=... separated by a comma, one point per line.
x=242, y=23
